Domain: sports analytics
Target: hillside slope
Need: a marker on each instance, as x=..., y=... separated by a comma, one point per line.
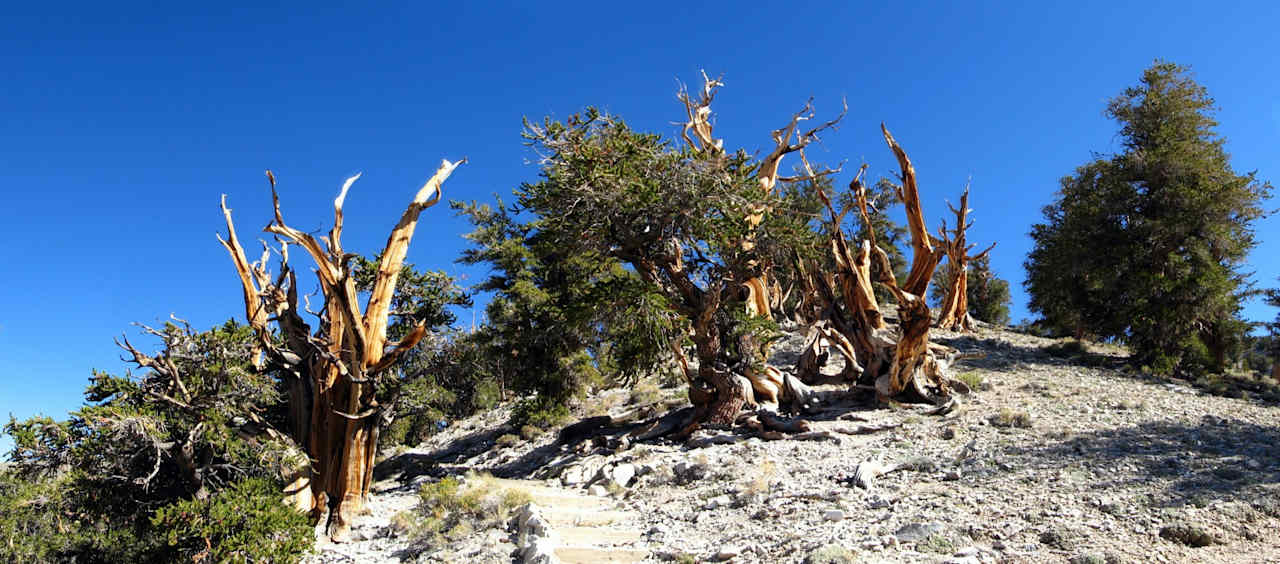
x=1049, y=460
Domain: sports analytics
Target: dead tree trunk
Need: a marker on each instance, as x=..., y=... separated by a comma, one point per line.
x=955, y=306
x=331, y=373
x=901, y=365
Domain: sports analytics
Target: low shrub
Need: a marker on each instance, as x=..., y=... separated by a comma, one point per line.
x=1010, y=418
x=243, y=523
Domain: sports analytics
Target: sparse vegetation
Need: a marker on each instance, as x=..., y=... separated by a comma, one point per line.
x=1067, y=349
x=637, y=260
x=530, y=432
x=1011, y=418
x=646, y=392
x=451, y=508
x=937, y=544
x=971, y=378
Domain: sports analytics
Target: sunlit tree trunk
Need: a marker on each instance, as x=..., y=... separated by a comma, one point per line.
x=331, y=373
x=955, y=306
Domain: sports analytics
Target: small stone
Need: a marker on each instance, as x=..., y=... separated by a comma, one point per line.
x=967, y=551
x=622, y=474
x=949, y=433
x=1253, y=464
x=916, y=532
x=833, y=515
x=598, y=490
x=951, y=476
x=718, y=501
x=878, y=502
x=728, y=552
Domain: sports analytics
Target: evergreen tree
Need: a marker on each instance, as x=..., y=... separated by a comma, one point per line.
x=562, y=318
x=184, y=462
x=988, y=294
x=1147, y=246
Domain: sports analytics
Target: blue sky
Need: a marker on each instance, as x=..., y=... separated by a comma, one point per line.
x=123, y=123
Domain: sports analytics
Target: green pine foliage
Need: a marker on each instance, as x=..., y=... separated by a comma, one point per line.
x=243, y=523
x=1148, y=245
x=562, y=319
x=444, y=377
x=126, y=477
x=644, y=233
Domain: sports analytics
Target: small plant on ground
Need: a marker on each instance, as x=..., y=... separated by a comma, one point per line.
x=831, y=554
x=507, y=440
x=763, y=480
x=972, y=379
x=1067, y=349
x=646, y=392
x=1011, y=418
x=529, y=432
x=937, y=544
x=451, y=508
x=543, y=415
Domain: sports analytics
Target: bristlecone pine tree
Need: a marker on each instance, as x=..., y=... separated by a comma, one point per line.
x=955, y=304
x=1148, y=245
x=900, y=364
x=987, y=294
x=333, y=372
x=692, y=222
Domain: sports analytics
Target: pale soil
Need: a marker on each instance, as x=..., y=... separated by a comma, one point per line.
x=1109, y=461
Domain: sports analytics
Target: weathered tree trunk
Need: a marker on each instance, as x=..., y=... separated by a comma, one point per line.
x=738, y=380
x=955, y=306
x=901, y=366
x=331, y=374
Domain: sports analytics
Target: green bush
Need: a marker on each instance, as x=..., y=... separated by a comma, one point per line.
x=646, y=392
x=1067, y=349
x=244, y=523
x=34, y=526
x=450, y=509
x=1011, y=418
x=540, y=414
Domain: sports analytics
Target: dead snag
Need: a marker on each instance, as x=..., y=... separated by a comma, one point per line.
x=955, y=306
x=331, y=372
x=900, y=364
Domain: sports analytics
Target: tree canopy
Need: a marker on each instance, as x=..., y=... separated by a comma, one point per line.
x=1148, y=245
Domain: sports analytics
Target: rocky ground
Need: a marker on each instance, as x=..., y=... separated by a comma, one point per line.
x=1051, y=459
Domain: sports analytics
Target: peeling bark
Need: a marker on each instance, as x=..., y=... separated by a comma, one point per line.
x=899, y=364
x=331, y=373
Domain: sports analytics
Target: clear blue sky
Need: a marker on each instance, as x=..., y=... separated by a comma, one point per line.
x=123, y=123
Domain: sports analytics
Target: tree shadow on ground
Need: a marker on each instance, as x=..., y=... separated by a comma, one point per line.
x=411, y=464
x=597, y=436
x=999, y=354
x=1215, y=458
